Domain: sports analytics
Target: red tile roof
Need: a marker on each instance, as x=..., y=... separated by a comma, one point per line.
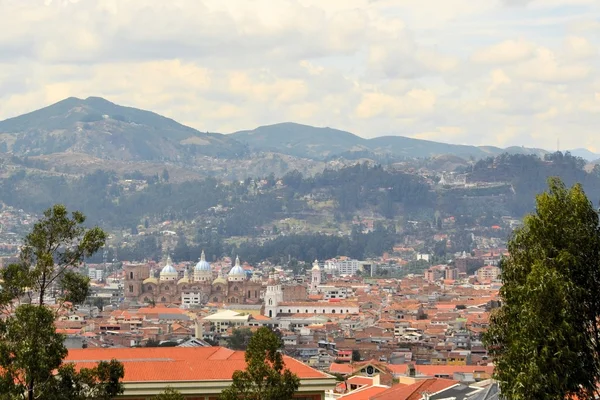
x=365, y=393
x=414, y=391
x=178, y=363
x=336, y=368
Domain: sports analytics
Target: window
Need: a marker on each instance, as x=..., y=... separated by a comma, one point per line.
x=215, y=300
x=235, y=288
x=163, y=300
x=149, y=288
x=130, y=288
x=248, y=294
x=289, y=311
x=270, y=302
x=218, y=288
x=256, y=294
x=333, y=311
x=131, y=275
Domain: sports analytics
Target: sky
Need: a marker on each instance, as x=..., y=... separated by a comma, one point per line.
x=482, y=72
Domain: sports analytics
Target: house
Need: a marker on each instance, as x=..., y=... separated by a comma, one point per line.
x=196, y=372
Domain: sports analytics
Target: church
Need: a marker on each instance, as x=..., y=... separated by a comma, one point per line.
x=199, y=285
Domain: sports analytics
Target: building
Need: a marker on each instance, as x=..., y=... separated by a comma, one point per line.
x=435, y=273
x=95, y=274
x=197, y=286
x=315, y=280
x=344, y=267
x=334, y=292
x=220, y=322
x=488, y=273
x=196, y=372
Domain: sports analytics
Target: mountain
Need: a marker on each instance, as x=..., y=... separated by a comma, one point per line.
x=99, y=128
x=320, y=143
x=301, y=140
x=585, y=154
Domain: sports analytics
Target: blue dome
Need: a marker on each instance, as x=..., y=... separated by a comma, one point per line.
x=202, y=265
x=168, y=269
x=237, y=269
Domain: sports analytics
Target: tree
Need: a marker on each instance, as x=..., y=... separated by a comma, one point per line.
x=240, y=338
x=355, y=355
x=265, y=377
x=545, y=337
x=31, y=351
x=169, y=394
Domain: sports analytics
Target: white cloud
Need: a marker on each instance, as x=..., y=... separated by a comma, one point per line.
x=509, y=51
x=471, y=72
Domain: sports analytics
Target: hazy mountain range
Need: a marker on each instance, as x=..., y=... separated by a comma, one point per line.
x=102, y=129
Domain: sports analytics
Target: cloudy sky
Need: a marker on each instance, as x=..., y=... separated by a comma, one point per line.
x=497, y=72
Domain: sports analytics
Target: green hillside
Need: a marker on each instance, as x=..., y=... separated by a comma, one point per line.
x=106, y=130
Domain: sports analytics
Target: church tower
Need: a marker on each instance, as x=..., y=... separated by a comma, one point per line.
x=315, y=279
x=273, y=297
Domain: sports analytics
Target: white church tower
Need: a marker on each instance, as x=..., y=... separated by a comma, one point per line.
x=273, y=297
x=315, y=280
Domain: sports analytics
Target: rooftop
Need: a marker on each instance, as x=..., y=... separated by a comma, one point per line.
x=173, y=364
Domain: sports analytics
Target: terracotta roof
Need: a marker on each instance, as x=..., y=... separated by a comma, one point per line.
x=432, y=370
x=364, y=393
x=360, y=380
x=161, y=310
x=414, y=391
x=178, y=363
x=336, y=368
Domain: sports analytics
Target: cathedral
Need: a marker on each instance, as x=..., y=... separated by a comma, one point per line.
x=199, y=285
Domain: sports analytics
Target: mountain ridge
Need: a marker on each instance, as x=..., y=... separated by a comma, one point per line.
x=106, y=130
x=347, y=142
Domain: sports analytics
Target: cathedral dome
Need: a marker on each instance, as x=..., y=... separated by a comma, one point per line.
x=168, y=271
x=220, y=280
x=202, y=265
x=150, y=280
x=237, y=270
x=185, y=279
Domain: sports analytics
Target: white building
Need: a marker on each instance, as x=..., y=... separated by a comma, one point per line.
x=315, y=277
x=317, y=307
x=344, y=267
x=273, y=297
x=334, y=292
x=226, y=319
x=95, y=274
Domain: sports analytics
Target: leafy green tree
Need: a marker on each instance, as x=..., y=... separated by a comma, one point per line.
x=545, y=338
x=31, y=351
x=169, y=394
x=355, y=355
x=265, y=377
x=240, y=338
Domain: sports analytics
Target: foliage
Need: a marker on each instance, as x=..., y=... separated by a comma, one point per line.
x=30, y=348
x=169, y=394
x=545, y=337
x=527, y=175
x=240, y=338
x=265, y=377
x=355, y=355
